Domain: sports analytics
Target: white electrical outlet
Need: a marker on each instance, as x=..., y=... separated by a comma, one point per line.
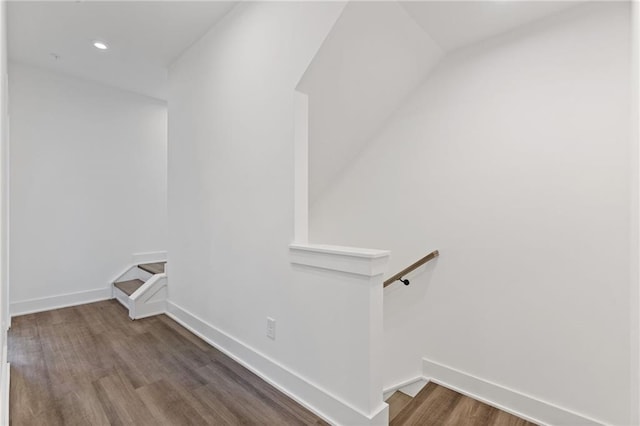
x=271, y=328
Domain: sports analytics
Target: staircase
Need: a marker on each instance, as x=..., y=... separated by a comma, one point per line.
x=142, y=289
x=438, y=405
x=397, y=402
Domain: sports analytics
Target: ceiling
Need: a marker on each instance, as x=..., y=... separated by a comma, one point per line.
x=377, y=54
x=454, y=24
x=144, y=37
x=373, y=57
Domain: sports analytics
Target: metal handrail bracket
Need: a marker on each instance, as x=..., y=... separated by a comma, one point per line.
x=414, y=266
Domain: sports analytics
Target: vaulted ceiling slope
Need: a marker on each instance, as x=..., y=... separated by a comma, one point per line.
x=455, y=24
x=143, y=38
x=373, y=57
x=377, y=54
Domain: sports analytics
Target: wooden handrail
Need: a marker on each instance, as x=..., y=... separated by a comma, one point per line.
x=405, y=271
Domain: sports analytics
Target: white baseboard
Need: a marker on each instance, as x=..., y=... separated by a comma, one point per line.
x=303, y=391
x=410, y=387
x=511, y=401
x=62, y=301
x=149, y=257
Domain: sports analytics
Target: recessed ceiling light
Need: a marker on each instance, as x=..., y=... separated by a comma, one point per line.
x=100, y=45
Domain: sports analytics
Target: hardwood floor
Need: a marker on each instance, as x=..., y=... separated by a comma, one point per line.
x=436, y=405
x=92, y=365
x=397, y=402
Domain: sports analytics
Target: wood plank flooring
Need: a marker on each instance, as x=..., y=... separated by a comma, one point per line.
x=397, y=402
x=436, y=405
x=92, y=365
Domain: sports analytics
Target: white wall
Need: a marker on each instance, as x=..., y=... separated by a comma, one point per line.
x=4, y=137
x=513, y=160
x=634, y=298
x=231, y=214
x=373, y=57
x=4, y=141
x=88, y=184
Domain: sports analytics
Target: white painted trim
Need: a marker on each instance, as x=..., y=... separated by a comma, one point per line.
x=402, y=384
x=157, y=280
x=149, y=257
x=327, y=406
x=366, y=262
x=61, y=301
x=410, y=387
x=509, y=400
x=301, y=167
x=141, y=305
x=151, y=309
x=340, y=250
x=381, y=417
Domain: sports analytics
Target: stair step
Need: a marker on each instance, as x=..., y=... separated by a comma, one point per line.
x=129, y=287
x=397, y=401
x=153, y=268
x=437, y=405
